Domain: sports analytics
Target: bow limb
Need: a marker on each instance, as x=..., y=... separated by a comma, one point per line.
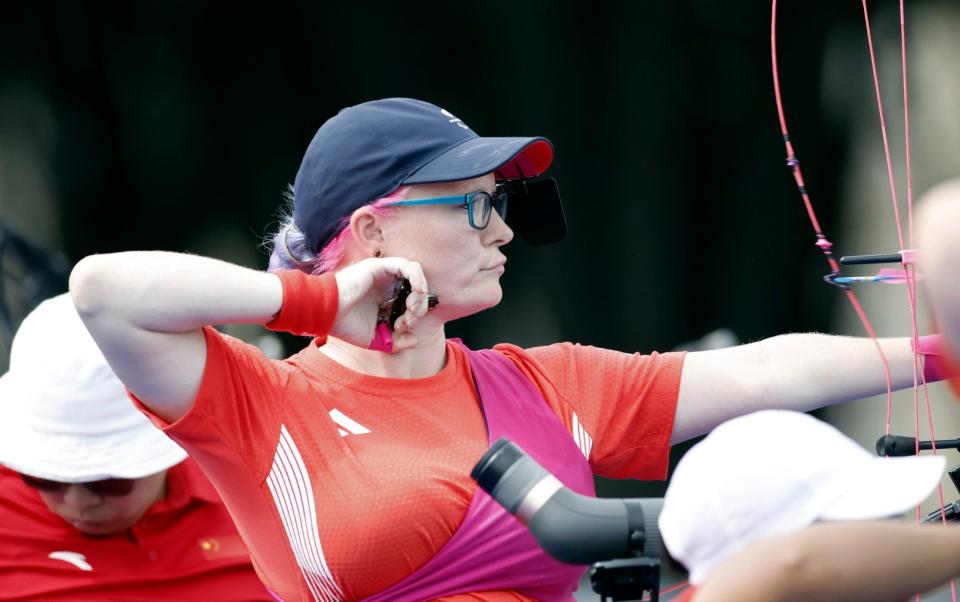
x=825, y=246
x=909, y=276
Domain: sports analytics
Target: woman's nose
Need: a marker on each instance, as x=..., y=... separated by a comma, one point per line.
x=500, y=232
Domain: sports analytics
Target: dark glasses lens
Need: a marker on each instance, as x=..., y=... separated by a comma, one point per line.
x=536, y=213
x=43, y=484
x=111, y=487
x=103, y=488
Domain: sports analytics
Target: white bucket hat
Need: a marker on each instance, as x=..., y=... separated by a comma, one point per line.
x=774, y=472
x=64, y=415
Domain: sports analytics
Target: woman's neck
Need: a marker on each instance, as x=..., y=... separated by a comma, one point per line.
x=426, y=359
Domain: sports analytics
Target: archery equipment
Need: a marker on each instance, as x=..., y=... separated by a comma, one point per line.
x=618, y=537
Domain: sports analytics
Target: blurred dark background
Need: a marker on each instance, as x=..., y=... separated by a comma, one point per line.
x=177, y=125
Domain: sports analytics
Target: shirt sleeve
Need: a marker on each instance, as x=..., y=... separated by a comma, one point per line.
x=618, y=407
x=234, y=421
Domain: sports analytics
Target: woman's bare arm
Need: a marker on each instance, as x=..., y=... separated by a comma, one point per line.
x=146, y=309
x=794, y=371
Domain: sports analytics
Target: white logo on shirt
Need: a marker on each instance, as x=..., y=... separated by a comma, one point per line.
x=347, y=425
x=75, y=558
x=454, y=119
x=580, y=436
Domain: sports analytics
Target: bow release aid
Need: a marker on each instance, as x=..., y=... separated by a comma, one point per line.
x=393, y=308
x=388, y=313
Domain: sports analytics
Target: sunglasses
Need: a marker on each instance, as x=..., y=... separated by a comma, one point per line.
x=102, y=488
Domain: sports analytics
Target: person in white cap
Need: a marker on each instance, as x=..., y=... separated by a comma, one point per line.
x=95, y=502
x=777, y=505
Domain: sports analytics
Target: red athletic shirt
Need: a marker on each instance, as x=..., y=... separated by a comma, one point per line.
x=184, y=548
x=343, y=483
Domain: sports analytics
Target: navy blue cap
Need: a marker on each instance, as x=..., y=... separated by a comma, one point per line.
x=369, y=150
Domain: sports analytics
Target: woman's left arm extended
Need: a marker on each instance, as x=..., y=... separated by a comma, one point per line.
x=792, y=371
x=807, y=371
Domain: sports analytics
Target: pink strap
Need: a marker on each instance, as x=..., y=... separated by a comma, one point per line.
x=382, y=338
x=491, y=551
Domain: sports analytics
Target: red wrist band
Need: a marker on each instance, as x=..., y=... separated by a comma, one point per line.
x=937, y=362
x=309, y=303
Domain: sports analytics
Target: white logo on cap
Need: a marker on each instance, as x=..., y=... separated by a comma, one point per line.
x=75, y=558
x=454, y=119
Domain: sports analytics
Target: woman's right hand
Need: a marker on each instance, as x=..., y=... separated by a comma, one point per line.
x=364, y=287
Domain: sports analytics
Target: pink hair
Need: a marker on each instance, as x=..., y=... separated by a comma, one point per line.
x=289, y=240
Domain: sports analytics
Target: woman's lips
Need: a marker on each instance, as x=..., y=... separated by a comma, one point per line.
x=499, y=266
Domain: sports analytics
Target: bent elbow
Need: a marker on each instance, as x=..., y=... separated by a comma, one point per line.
x=88, y=285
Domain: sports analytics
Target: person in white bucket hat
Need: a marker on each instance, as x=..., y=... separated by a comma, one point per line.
x=777, y=505
x=95, y=502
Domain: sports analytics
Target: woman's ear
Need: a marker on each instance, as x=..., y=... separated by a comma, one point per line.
x=365, y=226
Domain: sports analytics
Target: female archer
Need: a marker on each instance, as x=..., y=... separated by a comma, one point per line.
x=346, y=466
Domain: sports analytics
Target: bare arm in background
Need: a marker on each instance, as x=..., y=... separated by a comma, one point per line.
x=870, y=561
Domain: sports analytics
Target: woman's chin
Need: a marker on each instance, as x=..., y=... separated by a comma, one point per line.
x=493, y=297
x=462, y=308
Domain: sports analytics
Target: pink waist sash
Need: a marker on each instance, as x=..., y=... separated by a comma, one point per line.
x=492, y=551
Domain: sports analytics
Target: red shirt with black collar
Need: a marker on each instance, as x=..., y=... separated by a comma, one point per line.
x=185, y=547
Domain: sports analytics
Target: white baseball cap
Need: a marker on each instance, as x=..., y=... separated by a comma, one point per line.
x=774, y=472
x=64, y=415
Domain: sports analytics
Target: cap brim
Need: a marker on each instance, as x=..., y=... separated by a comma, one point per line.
x=887, y=487
x=510, y=158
